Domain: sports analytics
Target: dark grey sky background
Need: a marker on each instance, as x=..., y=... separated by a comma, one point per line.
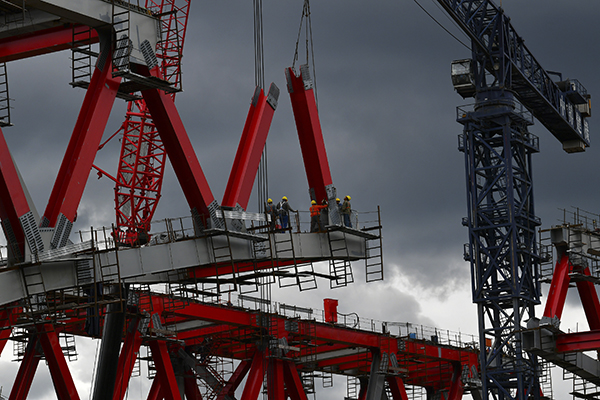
x=387, y=110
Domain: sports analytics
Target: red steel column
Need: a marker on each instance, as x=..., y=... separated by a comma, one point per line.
x=155, y=392
x=234, y=381
x=180, y=151
x=79, y=157
x=589, y=299
x=293, y=384
x=13, y=205
x=252, y=143
x=61, y=376
x=456, y=387
x=275, y=380
x=309, y=132
x=164, y=370
x=129, y=353
x=191, y=387
x=255, y=377
x=397, y=388
x=26, y=371
x=558, y=288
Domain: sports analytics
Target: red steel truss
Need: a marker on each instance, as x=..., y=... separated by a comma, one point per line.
x=185, y=335
x=140, y=173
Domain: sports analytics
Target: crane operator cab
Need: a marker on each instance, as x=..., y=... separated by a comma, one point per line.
x=462, y=77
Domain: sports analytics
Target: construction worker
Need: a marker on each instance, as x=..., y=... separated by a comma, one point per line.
x=284, y=209
x=339, y=205
x=324, y=218
x=271, y=211
x=315, y=216
x=346, y=210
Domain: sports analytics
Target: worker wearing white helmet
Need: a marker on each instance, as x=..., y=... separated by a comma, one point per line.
x=346, y=210
x=284, y=209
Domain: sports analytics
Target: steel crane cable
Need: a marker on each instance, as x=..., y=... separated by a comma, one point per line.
x=440, y=24
x=310, y=49
x=259, y=80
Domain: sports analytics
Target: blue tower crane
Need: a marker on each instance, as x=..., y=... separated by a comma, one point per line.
x=510, y=88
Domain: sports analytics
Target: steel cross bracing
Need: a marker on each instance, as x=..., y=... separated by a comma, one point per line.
x=184, y=336
x=503, y=75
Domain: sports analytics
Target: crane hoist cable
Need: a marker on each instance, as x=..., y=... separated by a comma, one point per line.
x=310, y=53
x=259, y=80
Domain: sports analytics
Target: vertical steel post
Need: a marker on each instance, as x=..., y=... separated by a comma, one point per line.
x=108, y=359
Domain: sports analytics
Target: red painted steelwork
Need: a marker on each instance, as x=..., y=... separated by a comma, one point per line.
x=310, y=135
x=589, y=300
x=61, y=376
x=83, y=146
x=559, y=286
x=26, y=372
x=42, y=42
x=13, y=202
x=127, y=358
x=580, y=341
x=164, y=370
x=179, y=149
x=247, y=158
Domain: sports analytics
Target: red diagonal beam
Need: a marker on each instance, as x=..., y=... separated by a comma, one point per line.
x=255, y=377
x=191, y=387
x=79, y=157
x=155, y=390
x=558, y=288
x=235, y=380
x=397, y=388
x=252, y=143
x=457, y=387
x=42, y=42
x=164, y=370
x=61, y=376
x=589, y=300
x=26, y=371
x=293, y=383
x=127, y=358
x=179, y=148
x=309, y=133
x=13, y=202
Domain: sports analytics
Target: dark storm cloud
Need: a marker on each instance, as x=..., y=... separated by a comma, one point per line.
x=387, y=110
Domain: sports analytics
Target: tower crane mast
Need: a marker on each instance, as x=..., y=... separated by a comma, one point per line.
x=510, y=87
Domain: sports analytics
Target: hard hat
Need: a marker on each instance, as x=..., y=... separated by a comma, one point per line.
x=269, y=201
x=313, y=202
x=284, y=198
x=348, y=197
x=338, y=199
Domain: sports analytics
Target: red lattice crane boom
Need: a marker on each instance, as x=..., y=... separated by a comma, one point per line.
x=139, y=177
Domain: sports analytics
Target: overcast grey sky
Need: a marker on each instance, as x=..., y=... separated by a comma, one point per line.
x=387, y=110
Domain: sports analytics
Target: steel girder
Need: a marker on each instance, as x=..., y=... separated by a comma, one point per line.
x=502, y=240
x=320, y=185
x=250, y=149
x=78, y=160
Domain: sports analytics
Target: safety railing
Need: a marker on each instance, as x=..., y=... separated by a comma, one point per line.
x=354, y=321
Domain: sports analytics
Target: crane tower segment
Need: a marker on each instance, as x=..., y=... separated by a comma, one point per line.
x=510, y=87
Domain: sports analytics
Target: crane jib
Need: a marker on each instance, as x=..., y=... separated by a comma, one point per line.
x=562, y=107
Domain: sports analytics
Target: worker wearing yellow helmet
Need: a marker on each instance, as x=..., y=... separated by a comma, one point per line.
x=271, y=212
x=346, y=210
x=315, y=216
x=284, y=209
